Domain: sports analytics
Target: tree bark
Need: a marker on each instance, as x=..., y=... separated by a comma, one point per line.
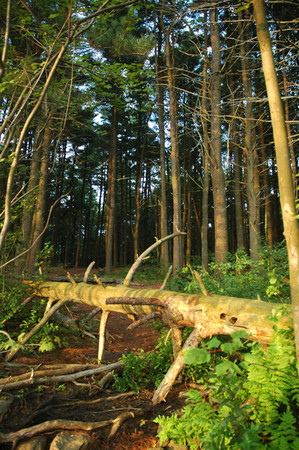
x=139, y=163
x=218, y=181
x=163, y=197
x=212, y=314
x=238, y=157
x=250, y=146
x=205, y=157
x=175, y=157
x=111, y=193
x=6, y=40
x=287, y=199
x=40, y=208
x=80, y=212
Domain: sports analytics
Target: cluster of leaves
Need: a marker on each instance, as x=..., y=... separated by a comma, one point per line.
x=251, y=401
x=242, y=277
x=143, y=369
x=17, y=318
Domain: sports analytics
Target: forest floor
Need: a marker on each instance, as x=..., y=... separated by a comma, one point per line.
x=34, y=405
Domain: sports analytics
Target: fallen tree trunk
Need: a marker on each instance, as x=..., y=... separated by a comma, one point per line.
x=210, y=314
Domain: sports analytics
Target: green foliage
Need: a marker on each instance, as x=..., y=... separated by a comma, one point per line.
x=148, y=272
x=242, y=277
x=252, y=399
x=43, y=258
x=141, y=369
x=17, y=319
x=61, y=387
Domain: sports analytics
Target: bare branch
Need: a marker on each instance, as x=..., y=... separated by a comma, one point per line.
x=6, y=36
x=138, y=261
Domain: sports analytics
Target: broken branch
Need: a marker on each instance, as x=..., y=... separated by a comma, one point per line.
x=138, y=261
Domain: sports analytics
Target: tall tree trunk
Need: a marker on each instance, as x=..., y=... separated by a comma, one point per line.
x=111, y=193
x=269, y=225
x=189, y=210
x=287, y=199
x=205, y=158
x=68, y=238
x=32, y=184
x=139, y=162
x=100, y=219
x=291, y=145
x=81, y=212
x=218, y=181
x=250, y=144
x=175, y=158
x=164, y=258
x=58, y=237
x=39, y=213
x=237, y=152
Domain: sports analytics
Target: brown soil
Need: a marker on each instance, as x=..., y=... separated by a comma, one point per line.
x=35, y=405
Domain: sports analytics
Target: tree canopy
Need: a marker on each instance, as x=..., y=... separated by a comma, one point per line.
x=99, y=98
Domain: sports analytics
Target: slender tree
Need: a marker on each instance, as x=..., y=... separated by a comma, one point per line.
x=286, y=190
x=218, y=181
x=161, y=117
x=177, y=261
x=250, y=142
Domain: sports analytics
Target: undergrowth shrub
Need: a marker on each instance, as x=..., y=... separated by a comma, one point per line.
x=252, y=399
x=142, y=369
x=17, y=318
x=240, y=276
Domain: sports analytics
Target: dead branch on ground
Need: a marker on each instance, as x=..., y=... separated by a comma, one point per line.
x=32, y=380
x=58, y=424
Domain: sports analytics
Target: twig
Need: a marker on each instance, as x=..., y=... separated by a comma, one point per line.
x=87, y=272
x=105, y=379
x=174, y=370
x=93, y=313
x=8, y=337
x=38, y=326
x=166, y=278
x=61, y=378
x=117, y=423
x=39, y=236
x=152, y=316
x=138, y=261
x=51, y=371
x=51, y=425
x=102, y=329
x=199, y=281
x=71, y=279
x=111, y=398
x=98, y=281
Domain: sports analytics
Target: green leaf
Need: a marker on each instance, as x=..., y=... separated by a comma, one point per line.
x=226, y=367
x=213, y=343
x=242, y=334
x=46, y=345
x=246, y=6
x=273, y=280
x=196, y=356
